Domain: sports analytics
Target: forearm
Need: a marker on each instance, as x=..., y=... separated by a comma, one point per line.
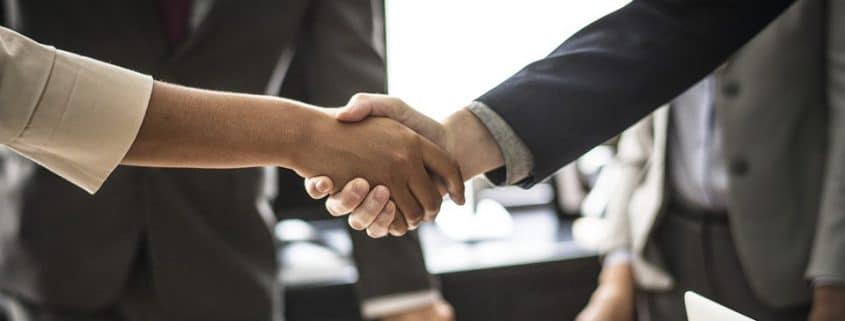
x=617, y=70
x=472, y=144
x=186, y=127
x=619, y=275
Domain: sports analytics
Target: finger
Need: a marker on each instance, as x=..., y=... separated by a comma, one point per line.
x=348, y=198
x=398, y=227
x=381, y=225
x=365, y=214
x=318, y=187
x=426, y=193
x=438, y=182
x=444, y=167
x=363, y=105
x=412, y=213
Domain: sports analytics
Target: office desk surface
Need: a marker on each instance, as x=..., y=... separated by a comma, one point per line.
x=537, y=273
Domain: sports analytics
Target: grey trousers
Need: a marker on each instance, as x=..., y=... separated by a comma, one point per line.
x=699, y=253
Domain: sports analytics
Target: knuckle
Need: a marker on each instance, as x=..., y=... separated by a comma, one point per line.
x=401, y=158
x=349, y=201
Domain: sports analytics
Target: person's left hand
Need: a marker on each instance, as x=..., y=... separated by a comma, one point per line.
x=828, y=303
x=438, y=311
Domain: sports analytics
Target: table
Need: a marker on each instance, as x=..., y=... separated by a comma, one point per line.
x=537, y=273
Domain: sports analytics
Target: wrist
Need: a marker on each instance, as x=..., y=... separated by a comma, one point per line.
x=311, y=131
x=472, y=145
x=617, y=276
x=829, y=293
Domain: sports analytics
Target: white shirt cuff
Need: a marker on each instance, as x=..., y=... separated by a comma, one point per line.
x=827, y=281
x=386, y=306
x=86, y=120
x=617, y=257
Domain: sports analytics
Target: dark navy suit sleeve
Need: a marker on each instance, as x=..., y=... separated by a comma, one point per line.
x=618, y=69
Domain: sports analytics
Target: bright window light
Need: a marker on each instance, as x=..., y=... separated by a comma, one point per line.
x=442, y=54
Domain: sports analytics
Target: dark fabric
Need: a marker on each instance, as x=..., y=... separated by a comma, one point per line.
x=699, y=253
x=175, y=15
x=618, y=69
x=329, y=78
x=136, y=304
x=209, y=251
x=394, y=258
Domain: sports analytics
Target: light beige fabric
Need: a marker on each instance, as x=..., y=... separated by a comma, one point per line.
x=73, y=115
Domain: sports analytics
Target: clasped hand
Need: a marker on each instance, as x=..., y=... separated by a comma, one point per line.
x=413, y=172
x=462, y=136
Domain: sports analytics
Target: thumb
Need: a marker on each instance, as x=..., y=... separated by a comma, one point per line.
x=354, y=112
x=362, y=106
x=318, y=187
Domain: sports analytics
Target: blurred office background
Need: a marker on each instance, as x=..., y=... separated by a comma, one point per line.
x=510, y=255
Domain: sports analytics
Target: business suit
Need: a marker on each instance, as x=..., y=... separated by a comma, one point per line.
x=617, y=70
x=778, y=109
x=185, y=244
x=607, y=76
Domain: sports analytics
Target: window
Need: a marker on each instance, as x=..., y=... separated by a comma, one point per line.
x=441, y=54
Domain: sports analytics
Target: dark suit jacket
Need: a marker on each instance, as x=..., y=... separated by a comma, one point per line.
x=203, y=232
x=618, y=69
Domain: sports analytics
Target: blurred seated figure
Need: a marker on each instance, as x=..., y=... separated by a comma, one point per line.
x=734, y=190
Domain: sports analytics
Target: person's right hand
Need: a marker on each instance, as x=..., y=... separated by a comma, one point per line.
x=613, y=299
x=385, y=153
x=463, y=136
x=369, y=209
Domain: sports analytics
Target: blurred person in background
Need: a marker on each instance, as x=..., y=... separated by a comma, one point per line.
x=729, y=191
x=175, y=244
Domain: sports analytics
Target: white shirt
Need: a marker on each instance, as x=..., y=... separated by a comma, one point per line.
x=73, y=115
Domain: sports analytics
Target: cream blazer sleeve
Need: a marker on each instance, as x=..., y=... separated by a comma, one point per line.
x=73, y=115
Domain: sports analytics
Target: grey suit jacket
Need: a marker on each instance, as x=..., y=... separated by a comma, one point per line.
x=781, y=105
x=204, y=233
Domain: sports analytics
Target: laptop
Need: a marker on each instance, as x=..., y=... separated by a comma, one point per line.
x=700, y=308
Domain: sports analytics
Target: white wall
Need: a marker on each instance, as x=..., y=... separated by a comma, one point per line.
x=444, y=53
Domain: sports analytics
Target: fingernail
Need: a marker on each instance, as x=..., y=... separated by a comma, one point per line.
x=359, y=188
x=322, y=186
x=380, y=194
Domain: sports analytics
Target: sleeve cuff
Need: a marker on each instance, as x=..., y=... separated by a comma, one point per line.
x=386, y=306
x=519, y=162
x=87, y=119
x=828, y=281
x=617, y=257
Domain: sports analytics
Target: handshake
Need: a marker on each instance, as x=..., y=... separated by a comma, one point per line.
x=388, y=166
